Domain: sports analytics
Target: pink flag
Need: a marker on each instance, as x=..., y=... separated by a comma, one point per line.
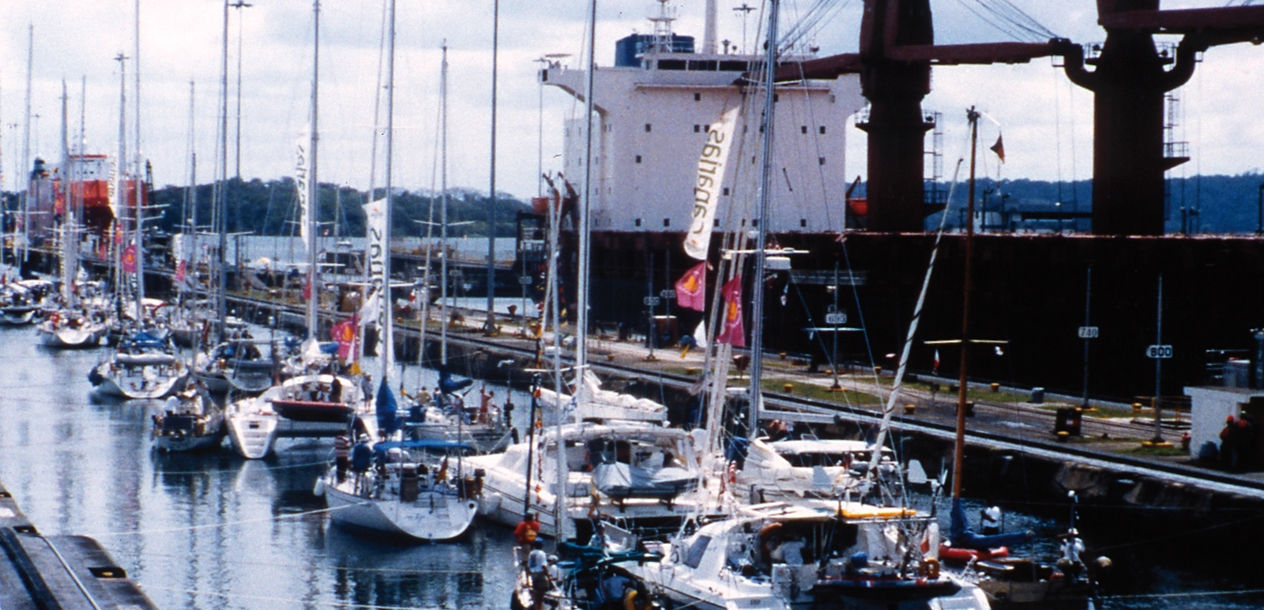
x=691, y=288
x=732, y=331
x=129, y=258
x=345, y=334
x=181, y=269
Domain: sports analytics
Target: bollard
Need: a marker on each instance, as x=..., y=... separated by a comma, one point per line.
x=788, y=387
x=910, y=409
x=996, y=387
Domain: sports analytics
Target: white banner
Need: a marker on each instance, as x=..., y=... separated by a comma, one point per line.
x=300, y=185
x=375, y=254
x=707, y=186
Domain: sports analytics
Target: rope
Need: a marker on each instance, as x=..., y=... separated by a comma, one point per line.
x=222, y=524
x=306, y=602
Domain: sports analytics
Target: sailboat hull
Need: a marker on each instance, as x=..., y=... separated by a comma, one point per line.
x=432, y=515
x=252, y=434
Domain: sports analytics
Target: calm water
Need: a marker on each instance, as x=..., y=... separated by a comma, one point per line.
x=216, y=531
x=210, y=531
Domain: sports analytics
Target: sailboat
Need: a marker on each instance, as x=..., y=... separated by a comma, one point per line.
x=1009, y=581
x=319, y=401
x=410, y=493
x=608, y=455
x=80, y=322
x=190, y=421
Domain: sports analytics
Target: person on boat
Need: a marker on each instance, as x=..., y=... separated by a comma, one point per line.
x=526, y=531
x=1072, y=548
x=538, y=570
x=423, y=397
x=342, y=456
x=484, y=403
x=1228, y=448
x=361, y=457
x=990, y=521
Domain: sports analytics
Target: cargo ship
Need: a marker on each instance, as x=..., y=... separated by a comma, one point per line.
x=1039, y=292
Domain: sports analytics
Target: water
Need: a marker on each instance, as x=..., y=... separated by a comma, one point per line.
x=216, y=531
x=212, y=531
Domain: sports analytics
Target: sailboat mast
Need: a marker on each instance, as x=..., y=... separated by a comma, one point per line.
x=26, y=144
x=387, y=319
x=765, y=185
x=69, y=246
x=581, y=283
x=959, y=446
x=491, y=213
x=220, y=212
x=443, y=208
x=312, y=188
x=120, y=191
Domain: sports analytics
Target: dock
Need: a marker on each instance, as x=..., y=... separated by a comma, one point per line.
x=1013, y=437
x=71, y=572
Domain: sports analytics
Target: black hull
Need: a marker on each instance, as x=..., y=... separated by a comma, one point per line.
x=1028, y=290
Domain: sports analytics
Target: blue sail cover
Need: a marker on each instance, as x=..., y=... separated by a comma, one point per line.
x=386, y=408
x=963, y=537
x=448, y=385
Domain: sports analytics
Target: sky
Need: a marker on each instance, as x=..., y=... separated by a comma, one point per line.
x=1045, y=121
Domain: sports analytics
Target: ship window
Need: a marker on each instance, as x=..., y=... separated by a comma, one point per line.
x=666, y=222
x=803, y=129
x=697, y=129
x=733, y=66
x=820, y=160
x=638, y=222
x=715, y=222
x=754, y=222
x=638, y=158
x=822, y=130
x=726, y=191
x=803, y=222
x=647, y=128
x=743, y=222
x=697, y=97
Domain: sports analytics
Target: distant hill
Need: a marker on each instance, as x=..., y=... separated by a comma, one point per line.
x=1200, y=204
x=270, y=208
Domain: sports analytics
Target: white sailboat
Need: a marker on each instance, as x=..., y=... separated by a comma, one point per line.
x=312, y=403
x=410, y=494
x=79, y=322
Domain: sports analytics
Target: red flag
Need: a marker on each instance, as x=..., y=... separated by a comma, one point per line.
x=732, y=331
x=998, y=148
x=691, y=288
x=307, y=289
x=345, y=334
x=181, y=268
x=129, y=258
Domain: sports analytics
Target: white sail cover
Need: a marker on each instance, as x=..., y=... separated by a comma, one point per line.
x=707, y=185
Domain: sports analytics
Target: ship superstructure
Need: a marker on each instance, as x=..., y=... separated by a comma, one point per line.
x=654, y=108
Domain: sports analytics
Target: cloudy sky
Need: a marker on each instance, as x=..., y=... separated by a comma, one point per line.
x=1046, y=122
